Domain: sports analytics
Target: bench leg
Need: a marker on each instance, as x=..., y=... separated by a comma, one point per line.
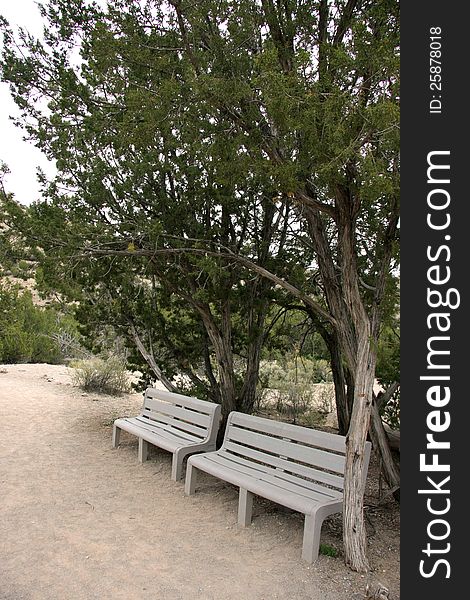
x=191, y=479
x=143, y=450
x=311, y=543
x=245, y=507
x=177, y=466
x=116, y=436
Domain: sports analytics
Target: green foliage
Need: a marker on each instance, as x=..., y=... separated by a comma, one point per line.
x=292, y=333
x=207, y=137
x=21, y=270
x=327, y=550
x=391, y=411
x=102, y=375
x=30, y=333
x=388, y=370
x=388, y=355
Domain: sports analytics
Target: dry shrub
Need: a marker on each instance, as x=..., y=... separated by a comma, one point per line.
x=105, y=376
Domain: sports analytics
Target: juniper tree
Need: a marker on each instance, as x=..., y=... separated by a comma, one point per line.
x=197, y=139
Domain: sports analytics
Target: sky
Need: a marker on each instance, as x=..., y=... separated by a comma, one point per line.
x=22, y=157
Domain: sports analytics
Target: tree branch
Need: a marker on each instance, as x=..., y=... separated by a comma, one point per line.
x=308, y=301
x=150, y=360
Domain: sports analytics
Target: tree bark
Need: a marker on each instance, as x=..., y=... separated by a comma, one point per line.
x=248, y=393
x=354, y=533
x=382, y=447
x=381, y=441
x=343, y=411
x=150, y=360
x=224, y=355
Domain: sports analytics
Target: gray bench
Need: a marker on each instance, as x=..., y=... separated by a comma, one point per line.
x=180, y=424
x=294, y=466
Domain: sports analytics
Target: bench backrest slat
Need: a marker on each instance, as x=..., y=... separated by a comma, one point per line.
x=288, y=466
x=196, y=404
x=301, y=452
x=177, y=412
x=289, y=449
x=184, y=413
x=322, y=439
x=155, y=417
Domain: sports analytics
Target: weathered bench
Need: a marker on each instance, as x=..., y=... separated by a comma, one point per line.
x=294, y=466
x=180, y=424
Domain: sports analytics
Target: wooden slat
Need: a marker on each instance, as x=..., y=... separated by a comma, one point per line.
x=179, y=427
x=201, y=406
x=161, y=429
x=179, y=412
x=310, y=456
x=289, y=466
x=312, y=437
x=269, y=478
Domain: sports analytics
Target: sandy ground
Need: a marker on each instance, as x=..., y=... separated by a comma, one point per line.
x=80, y=520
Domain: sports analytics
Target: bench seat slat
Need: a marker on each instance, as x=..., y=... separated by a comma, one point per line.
x=166, y=442
x=174, y=438
x=289, y=466
x=313, y=437
x=158, y=426
x=310, y=456
x=275, y=475
x=190, y=416
x=260, y=487
x=158, y=418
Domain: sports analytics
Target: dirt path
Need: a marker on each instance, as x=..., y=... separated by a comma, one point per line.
x=79, y=520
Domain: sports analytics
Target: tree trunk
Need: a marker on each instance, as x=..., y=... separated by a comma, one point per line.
x=223, y=354
x=248, y=393
x=337, y=368
x=256, y=337
x=354, y=533
x=382, y=447
x=349, y=389
x=221, y=340
x=339, y=372
x=382, y=399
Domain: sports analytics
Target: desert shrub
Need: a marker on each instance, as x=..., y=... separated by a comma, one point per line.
x=105, y=375
x=290, y=386
x=15, y=345
x=293, y=402
x=302, y=371
x=28, y=333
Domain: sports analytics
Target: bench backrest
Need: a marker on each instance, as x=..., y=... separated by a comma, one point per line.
x=300, y=452
x=196, y=417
